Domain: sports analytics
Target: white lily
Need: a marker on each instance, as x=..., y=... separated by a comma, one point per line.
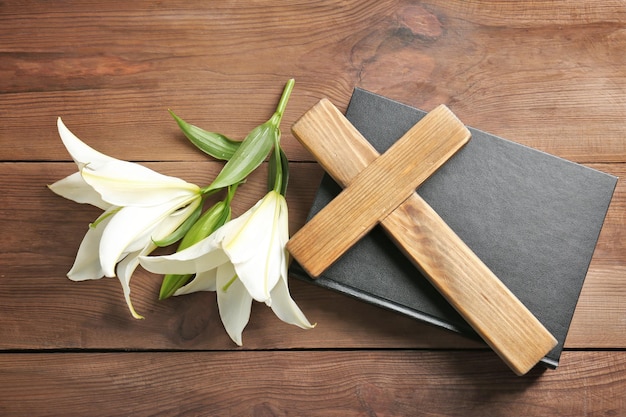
x=141, y=206
x=243, y=260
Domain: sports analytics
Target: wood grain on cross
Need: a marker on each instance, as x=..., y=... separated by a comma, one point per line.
x=381, y=189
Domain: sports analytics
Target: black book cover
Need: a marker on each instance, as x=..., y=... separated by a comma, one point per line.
x=532, y=218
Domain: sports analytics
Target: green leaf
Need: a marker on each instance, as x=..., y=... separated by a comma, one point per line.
x=214, y=144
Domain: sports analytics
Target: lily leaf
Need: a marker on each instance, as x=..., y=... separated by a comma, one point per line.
x=214, y=144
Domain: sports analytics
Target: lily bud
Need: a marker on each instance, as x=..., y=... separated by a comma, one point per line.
x=211, y=220
x=254, y=149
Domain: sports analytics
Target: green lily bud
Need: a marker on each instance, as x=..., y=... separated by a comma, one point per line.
x=211, y=220
x=254, y=149
x=182, y=230
x=278, y=173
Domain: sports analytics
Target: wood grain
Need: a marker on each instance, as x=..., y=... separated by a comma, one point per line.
x=41, y=233
x=377, y=189
x=279, y=383
x=527, y=76
x=548, y=74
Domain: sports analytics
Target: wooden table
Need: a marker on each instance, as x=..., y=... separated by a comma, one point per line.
x=548, y=74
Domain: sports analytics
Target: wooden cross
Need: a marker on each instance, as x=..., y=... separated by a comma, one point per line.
x=381, y=189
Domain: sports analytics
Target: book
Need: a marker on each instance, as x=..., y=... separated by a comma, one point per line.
x=532, y=218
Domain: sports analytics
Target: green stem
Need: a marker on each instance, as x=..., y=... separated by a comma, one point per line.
x=282, y=104
x=207, y=191
x=232, y=189
x=280, y=109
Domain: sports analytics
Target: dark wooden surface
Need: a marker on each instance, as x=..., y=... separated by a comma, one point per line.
x=548, y=74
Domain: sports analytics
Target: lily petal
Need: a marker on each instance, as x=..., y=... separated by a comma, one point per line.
x=256, y=251
x=170, y=223
x=130, y=229
x=203, y=256
x=125, y=271
x=234, y=302
x=286, y=308
x=87, y=264
x=74, y=187
x=125, y=183
x=80, y=151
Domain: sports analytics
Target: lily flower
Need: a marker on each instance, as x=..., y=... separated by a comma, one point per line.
x=140, y=206
x=243, y=260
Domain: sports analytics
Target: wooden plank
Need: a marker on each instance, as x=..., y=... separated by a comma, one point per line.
x=599, y=317
x=136, y=60
x=377, y=189
x=42, y=308
x=285, y=383
x=548, y=74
